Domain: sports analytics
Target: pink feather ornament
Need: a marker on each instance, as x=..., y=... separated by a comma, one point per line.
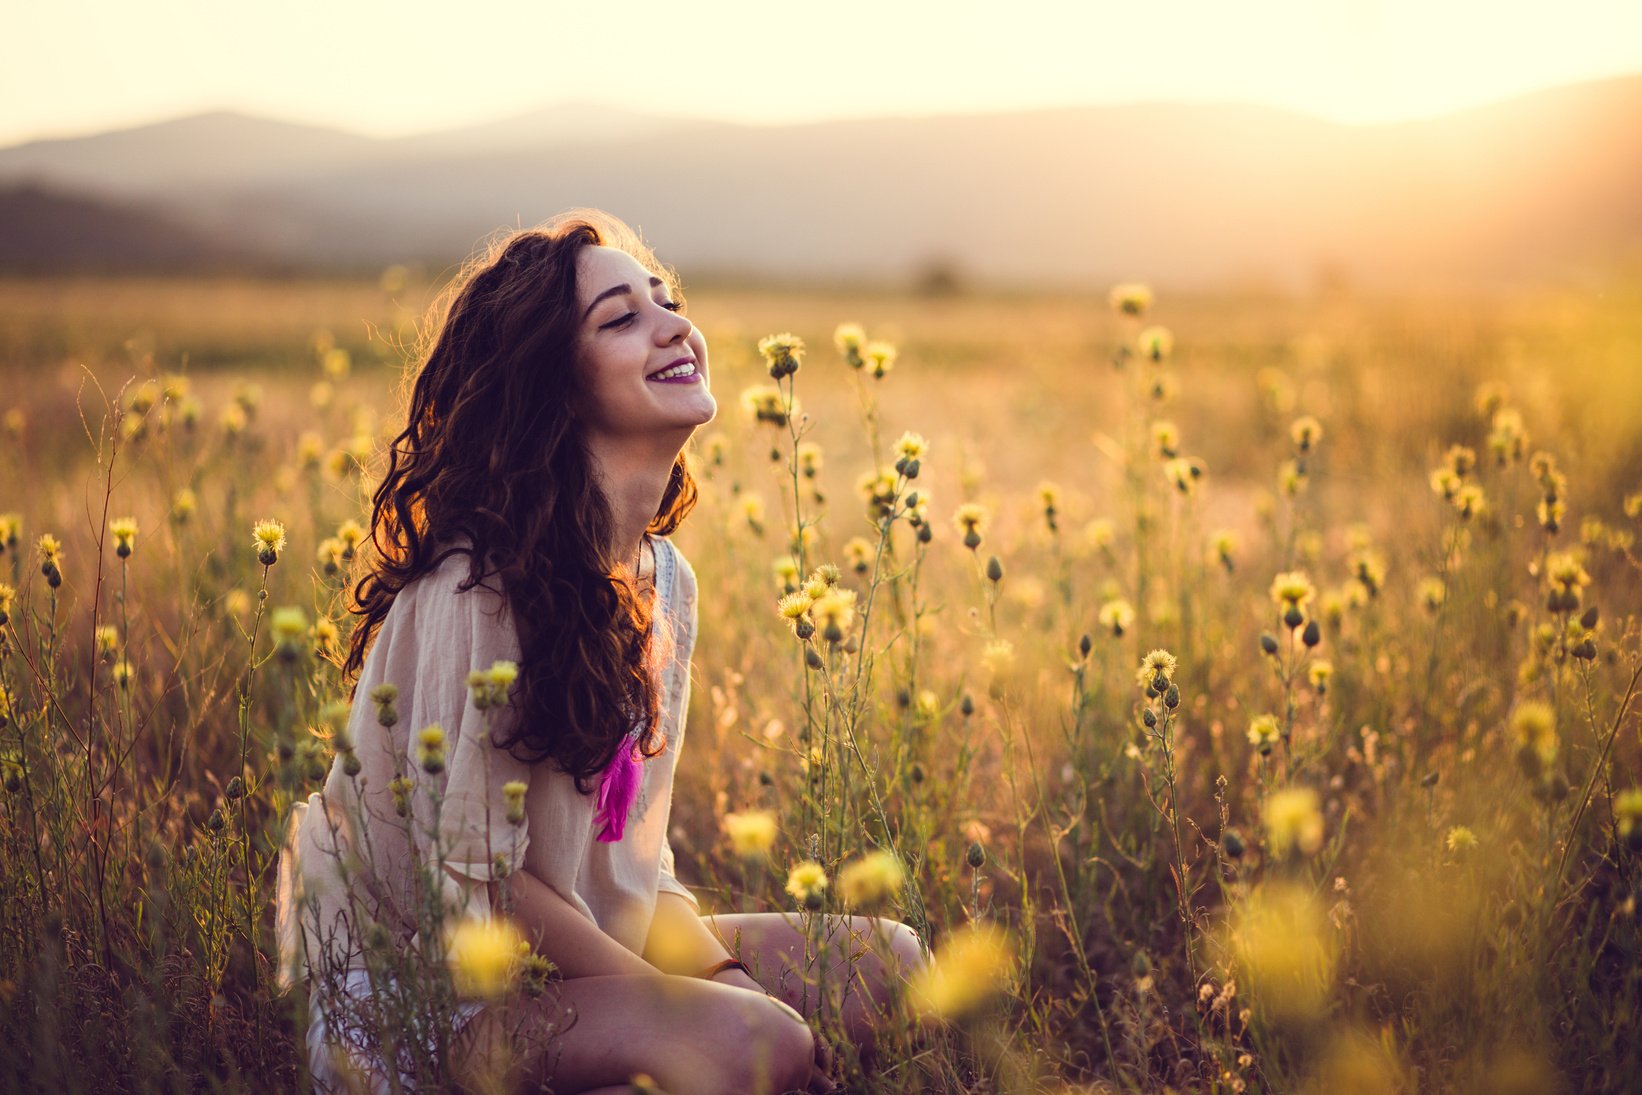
x=618, y=787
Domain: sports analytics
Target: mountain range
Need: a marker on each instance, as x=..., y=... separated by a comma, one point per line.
x=1544, y=187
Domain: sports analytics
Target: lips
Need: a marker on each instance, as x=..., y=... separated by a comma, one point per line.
x=684, y=367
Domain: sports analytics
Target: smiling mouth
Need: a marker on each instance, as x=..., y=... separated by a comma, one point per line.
x=674, y=371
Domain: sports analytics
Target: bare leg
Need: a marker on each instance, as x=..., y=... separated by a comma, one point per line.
x=592, y=1033
x=866, y=956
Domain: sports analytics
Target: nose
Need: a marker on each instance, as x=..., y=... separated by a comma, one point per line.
x=674, y=327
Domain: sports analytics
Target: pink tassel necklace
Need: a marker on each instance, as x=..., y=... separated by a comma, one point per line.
x=619, y=784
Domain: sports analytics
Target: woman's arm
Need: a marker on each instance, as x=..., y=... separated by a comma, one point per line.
x=559, y=932
x=681, y=942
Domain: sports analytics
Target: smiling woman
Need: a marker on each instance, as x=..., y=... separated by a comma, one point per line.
x=527, y=614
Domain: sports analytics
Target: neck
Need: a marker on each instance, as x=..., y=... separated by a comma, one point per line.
x=633, y=482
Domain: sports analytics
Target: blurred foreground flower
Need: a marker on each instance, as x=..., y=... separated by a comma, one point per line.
x=870, y=879
x=968, y=968
x=1281, y=946
x=483, y=955
x=806, y=883
x=751, y=834
x=1293, y=820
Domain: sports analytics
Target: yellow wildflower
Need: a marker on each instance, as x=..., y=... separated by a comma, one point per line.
x=1294, y=820
x=268, y=537
x=751, y=834
x=1460, y=840
x=1155, y=343
x=806, y=882
x=1130, y=298
x=1264, y=733
x=783, y=353
x=849, y=338
x=880, y=358
x=1116, y=616
x=483, y=957
x=1305, y=432
x=872, y=878
x=969, y=967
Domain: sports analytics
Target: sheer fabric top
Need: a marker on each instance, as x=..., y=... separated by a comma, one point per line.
x=354, y=851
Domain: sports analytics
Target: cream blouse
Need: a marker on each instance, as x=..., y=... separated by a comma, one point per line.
x=349, y=860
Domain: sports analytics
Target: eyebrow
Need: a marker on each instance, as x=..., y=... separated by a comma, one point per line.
x=616, y=291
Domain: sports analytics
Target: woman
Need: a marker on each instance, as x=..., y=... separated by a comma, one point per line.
x=523, y=521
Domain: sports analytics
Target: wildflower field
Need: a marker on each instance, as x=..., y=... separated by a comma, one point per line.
x=1237, y=693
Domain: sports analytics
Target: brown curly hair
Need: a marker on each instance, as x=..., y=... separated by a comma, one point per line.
x=493, y=463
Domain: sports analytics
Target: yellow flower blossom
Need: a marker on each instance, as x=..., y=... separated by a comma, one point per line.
x=751, y=833
x=483, y=957
x=1294, y=821
x=872, y=878
x=970, y=966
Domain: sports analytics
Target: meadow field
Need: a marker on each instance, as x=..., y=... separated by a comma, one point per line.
x=1238, y=692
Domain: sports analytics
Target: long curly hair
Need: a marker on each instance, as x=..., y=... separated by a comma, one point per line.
x=493, y=463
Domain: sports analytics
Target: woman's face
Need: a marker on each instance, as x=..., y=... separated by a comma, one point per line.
x=644, y=363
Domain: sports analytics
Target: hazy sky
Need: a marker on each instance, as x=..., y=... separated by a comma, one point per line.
x=77, y=66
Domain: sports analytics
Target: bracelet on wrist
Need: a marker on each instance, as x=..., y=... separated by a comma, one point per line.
x=712, y=971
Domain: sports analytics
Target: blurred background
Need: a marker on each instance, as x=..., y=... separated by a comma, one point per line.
x=1296, y=147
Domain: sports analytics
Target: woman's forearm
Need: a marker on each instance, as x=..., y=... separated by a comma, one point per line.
x=562, y=934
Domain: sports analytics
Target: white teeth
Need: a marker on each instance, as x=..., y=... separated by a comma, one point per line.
x=687, y=369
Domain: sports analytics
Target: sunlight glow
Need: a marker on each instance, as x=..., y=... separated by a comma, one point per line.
x=85, y=65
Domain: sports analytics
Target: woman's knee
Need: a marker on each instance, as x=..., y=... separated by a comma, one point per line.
x=766, y=1048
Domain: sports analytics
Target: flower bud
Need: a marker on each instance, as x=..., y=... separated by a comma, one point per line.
x=1293, y=617
x=1268, y=643
x=1312, y=635
x=1149, y=718
x=1171, y=697
x=976, y=856
x=994, y=569
x=235, y=790
x=1231, y=842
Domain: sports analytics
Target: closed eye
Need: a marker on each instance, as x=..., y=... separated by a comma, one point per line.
x=619, y=321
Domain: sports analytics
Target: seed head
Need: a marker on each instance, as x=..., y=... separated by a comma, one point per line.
x=51, y=557
x=1264, y=733
x=1627, y=808
x=1305, y=432
x=849, y=338
x=783, y=353
x=879, y=358
x=1533, y=729
x=1116, y=616
x=1159, y=665
x=124, y=531
x=806, y=883
x=430, y=749
x=1292, y=589
x=268, y=537
x=766, y=404
x=1130, y=299
x=971, y=518
x=1155, y=343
